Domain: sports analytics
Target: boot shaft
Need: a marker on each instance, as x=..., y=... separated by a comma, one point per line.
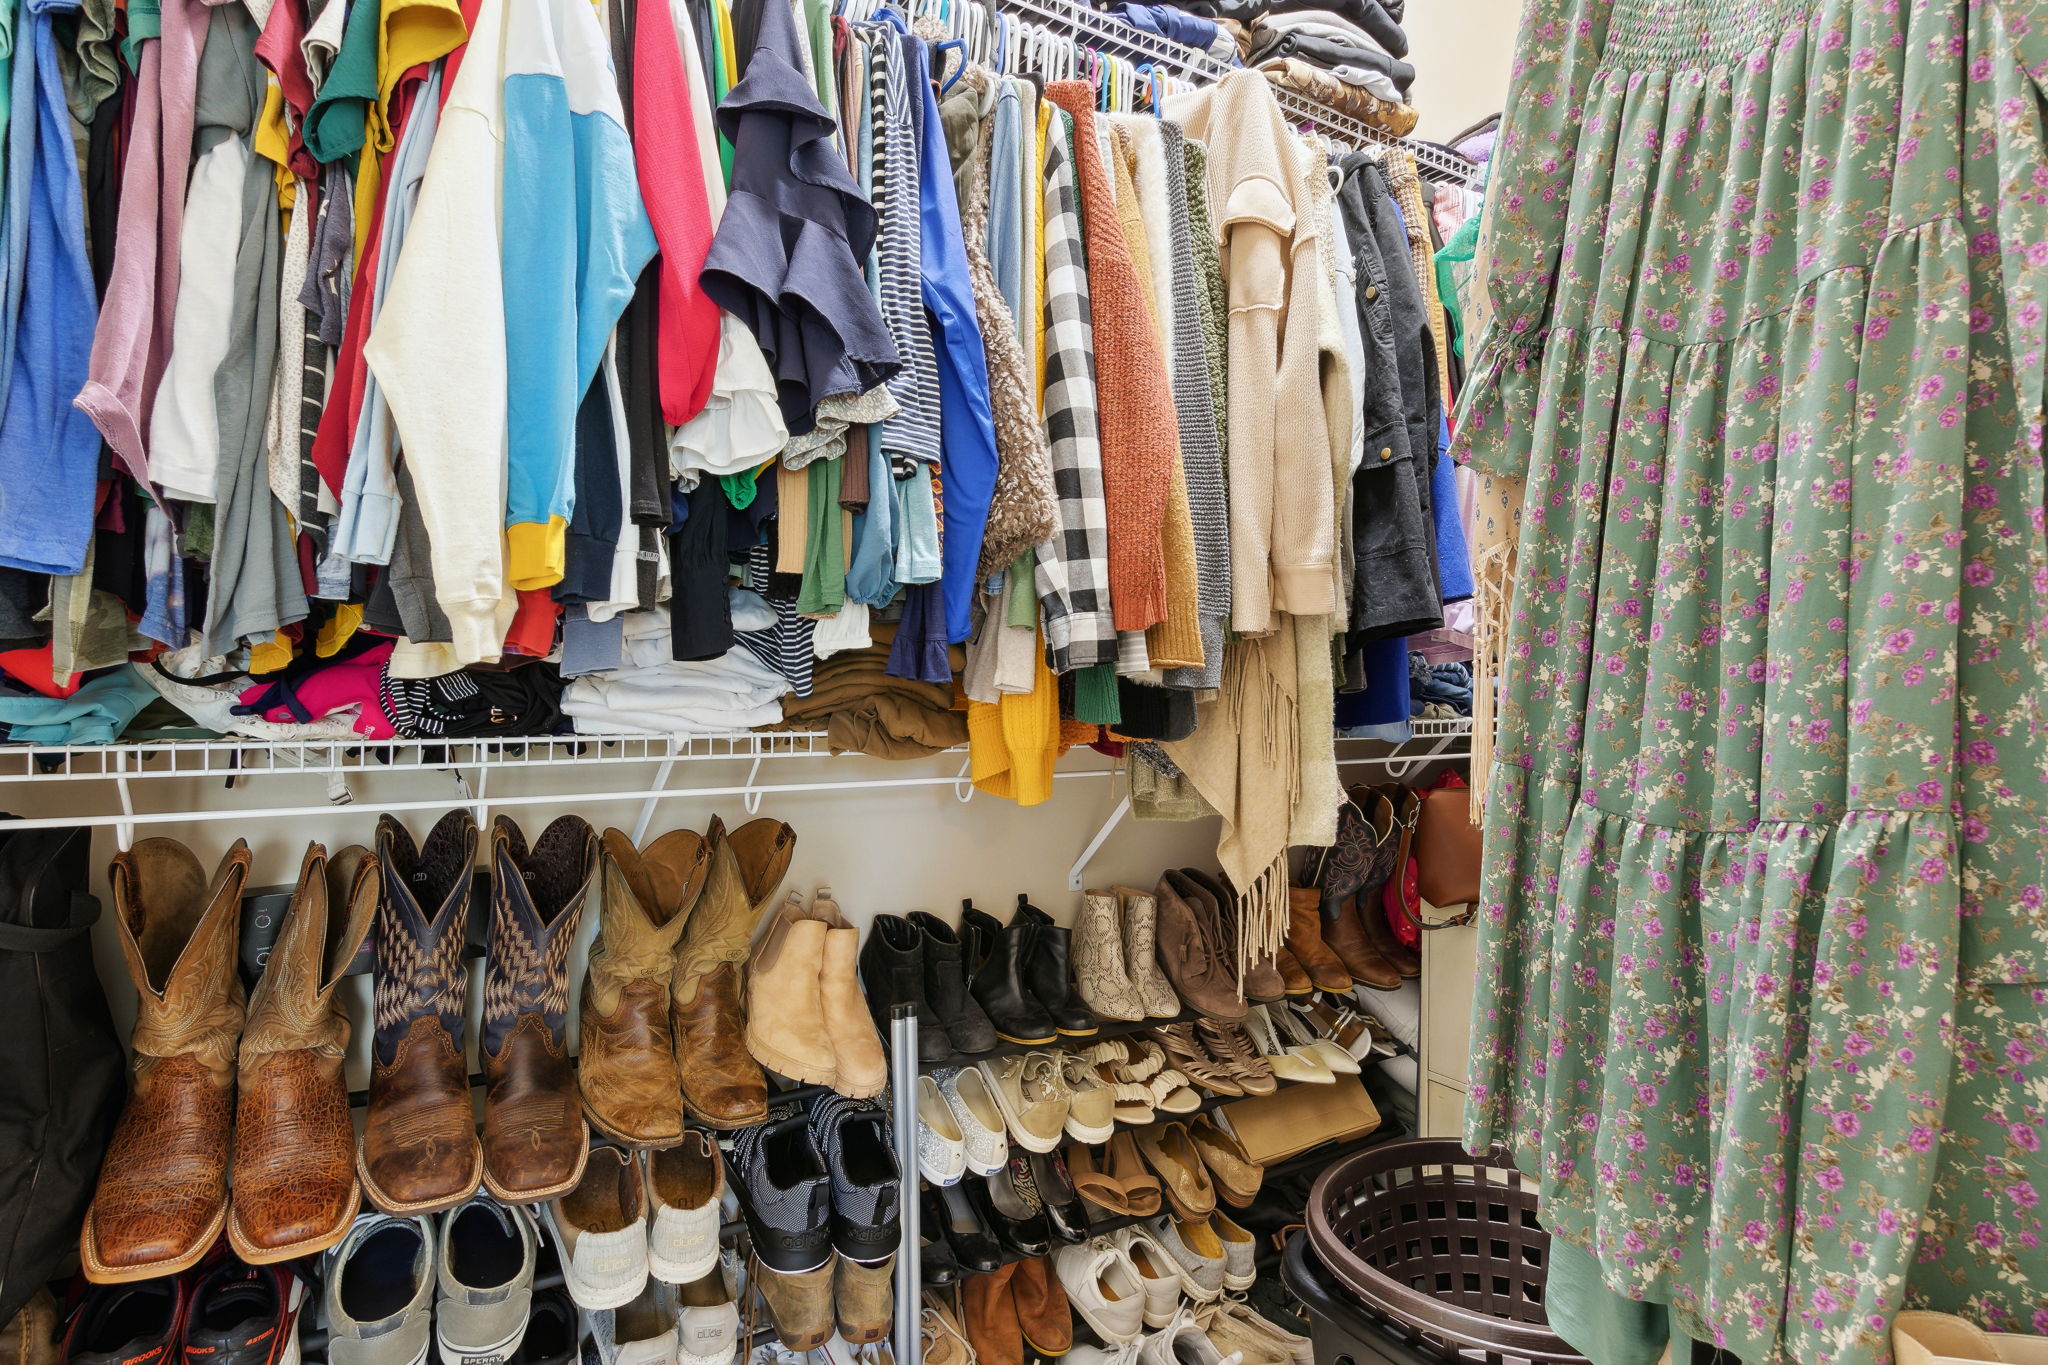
x=537, y=901
x=422, y=925
x=180, y=934
x=747, y=868
x=648, y=896
x=332, y=909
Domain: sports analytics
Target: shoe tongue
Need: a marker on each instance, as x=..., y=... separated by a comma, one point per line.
x=237, y=1323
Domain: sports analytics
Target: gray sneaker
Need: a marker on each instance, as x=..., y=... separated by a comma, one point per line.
x=485, y=1281
x=379, y=1299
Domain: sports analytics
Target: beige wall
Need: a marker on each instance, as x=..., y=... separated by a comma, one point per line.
x=1462, y=50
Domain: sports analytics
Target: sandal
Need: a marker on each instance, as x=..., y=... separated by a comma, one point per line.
x=1097, y=1187
x=1191, y=1061
x=1234, y=1055
x=1142, y=1194
x=1130, y=1101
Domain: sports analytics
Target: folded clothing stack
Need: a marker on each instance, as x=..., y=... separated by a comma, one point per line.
x=865, y=709
x=656, y=694
x=1345, y=53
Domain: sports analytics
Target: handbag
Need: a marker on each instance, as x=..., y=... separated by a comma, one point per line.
x=1447, y=848
x=1922, y=1338
x=1295, y=1118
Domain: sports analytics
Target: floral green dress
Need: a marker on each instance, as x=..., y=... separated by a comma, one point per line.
x=1764, y=986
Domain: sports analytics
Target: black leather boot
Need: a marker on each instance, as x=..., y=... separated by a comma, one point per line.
x=998, y=953
x=945, y=986
x=1048, y=972
x=892, y=972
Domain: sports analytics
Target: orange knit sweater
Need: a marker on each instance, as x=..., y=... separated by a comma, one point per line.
x=1140, y=434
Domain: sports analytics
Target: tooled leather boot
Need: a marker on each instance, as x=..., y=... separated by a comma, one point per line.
x=295, y=1189
x=627, y=1067
x=535, y=1140
x=419, y=1153
x=1305, y=940
x=1352, y=927
x=1188, y=955
x=163, y=1188
x=722, y=1083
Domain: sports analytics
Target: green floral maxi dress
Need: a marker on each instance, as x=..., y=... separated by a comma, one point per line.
x=1764, y=994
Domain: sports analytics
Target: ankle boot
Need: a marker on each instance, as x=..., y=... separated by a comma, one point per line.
x=1293, y=973
x=295, y=1190
x=535, y=1139
x=1348, y=927
x=863, y=1068
x=419, y=1153
x=785, y=1010
x=1140, y=915
x=1259, y=974
x=1049, y=972
x=626, y=1070
x=892, y=973
x=1188, y=954
x=997, y=953
x=1324, y=969
x=1098, y=949
x=946, y=988
x=722, y=1084
x=163, y=1188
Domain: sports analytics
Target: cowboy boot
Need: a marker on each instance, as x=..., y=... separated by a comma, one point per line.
x=1325, y=970
x=723, y=1085
x=295, y=1189
x=535, y=1140
x=1299, y=982
x=419, y=1152
x=163, y=1188
x=1352, y=926
x=627, y=1067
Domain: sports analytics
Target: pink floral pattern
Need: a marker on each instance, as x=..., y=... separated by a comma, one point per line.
x=1764, y=984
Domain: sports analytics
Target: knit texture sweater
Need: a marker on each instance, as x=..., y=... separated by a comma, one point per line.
x=1139, y=436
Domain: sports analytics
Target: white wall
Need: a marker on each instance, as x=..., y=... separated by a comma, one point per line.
x=1462, y=50
x=890, y=850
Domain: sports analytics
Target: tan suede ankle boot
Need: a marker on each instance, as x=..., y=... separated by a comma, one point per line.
x=863, y=1068
x=786, y=1029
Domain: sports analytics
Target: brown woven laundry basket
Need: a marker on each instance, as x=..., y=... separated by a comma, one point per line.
x=1442, y=1249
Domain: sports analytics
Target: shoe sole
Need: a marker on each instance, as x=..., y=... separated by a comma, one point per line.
x=255, y=1255
x=99, y=1272
x=389, y=1205
x=1080, y=1032
x=782, y=1064
x=1026, y=1042
x=619, y=1135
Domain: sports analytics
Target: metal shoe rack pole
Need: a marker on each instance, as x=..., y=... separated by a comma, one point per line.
x=909, y=1268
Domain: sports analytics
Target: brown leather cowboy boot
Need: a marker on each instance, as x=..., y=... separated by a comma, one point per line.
x=163, y=1188
x=722, y=1084
x=535, y=1140
x=1305, y=939
x=295, y=1189
x=419, y=1152
x=1348, y=927
x=627, y=1067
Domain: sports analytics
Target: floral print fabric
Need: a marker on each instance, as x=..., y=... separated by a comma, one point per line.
x=1764, y=984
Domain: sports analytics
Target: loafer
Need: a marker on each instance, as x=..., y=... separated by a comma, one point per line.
x=1197, y=1252
x=708, y=1317
x=600, y=1229
x=785, y=1194
x=1231, y=1169
x=1183, y=1177
x=685, y=1187
x=484, y=1284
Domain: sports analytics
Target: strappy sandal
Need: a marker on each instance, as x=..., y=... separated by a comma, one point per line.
x=1171, y=1093
x=1234, y=1054
x=1192, y=1061
x=1131, y=1099
x=1097, y=1187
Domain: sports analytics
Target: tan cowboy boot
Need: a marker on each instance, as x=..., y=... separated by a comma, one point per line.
x=163, y=1190
x=627, y=1068
x=295, y=1190
x=723, y=1085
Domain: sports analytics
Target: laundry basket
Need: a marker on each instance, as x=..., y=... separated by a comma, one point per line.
x=1442, y=1250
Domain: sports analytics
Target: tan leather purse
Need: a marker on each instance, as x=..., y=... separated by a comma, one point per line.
x=1297, y=1117
x=1922, y=1338
x=1447, y=846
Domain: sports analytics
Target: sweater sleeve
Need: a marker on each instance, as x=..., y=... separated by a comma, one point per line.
x=1304, y=521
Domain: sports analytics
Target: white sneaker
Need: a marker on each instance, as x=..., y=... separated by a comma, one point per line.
x=1198, y=1253
x=708, y=1319
x=685, y=1185
x=1029, y=1091
x=642, y=1332
x=1157, y=1271
x=941, y=1146
x=979, y=1116
x=1103, y=1287
x=1180, y=1342
x=1240, y=1253
x=607, y=1268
